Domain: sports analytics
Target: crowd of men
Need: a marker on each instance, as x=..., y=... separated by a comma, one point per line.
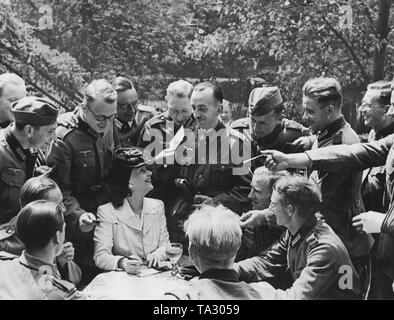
x=317, y=224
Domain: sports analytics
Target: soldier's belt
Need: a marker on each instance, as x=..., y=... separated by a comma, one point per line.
x=89, y=189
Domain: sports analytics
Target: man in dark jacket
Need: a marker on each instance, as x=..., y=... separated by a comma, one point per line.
x=375, y=105
x=317, y=259
x=212, y=170
x=266, y=128
x=322, y=103
x=81, y=158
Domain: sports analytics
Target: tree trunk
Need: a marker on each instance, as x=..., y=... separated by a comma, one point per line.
x=382, y=28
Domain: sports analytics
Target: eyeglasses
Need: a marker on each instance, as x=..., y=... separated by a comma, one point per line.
x=101, y=118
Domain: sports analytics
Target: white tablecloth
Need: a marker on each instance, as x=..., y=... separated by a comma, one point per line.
x=119, y=285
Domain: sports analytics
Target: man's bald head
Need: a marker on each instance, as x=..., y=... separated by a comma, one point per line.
x=12, y=88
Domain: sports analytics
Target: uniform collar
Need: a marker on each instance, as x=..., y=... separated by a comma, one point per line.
x=331, y=129
x=305, y=229
x=35, y=263
x=20, y=153
x=382, y=133
x=83, y=126
x=228, y=275
x=120, y=124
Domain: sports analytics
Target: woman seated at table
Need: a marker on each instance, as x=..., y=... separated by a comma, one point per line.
x=131, y=227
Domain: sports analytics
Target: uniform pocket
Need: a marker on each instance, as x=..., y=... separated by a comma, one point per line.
x=13, y=177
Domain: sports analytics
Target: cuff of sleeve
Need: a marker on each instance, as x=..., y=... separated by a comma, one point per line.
x=311, y=160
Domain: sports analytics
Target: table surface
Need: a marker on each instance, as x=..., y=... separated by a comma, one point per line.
x=119, y=285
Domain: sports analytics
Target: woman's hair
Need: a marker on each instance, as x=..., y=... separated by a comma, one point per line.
x=125, y=161
x=38, y=222
x=36, y=189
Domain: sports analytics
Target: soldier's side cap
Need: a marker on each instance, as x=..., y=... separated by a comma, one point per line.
x=35, y=111
x=129, y=158
x=264, y=100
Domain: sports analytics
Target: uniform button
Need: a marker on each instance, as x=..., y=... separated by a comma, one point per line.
x=200, y=176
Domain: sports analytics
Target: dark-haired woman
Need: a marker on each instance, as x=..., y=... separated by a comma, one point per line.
x=132, y=227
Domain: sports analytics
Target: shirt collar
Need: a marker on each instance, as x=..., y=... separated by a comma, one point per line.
x=228, y=275
x=305, y=229
x=385, y=132
x=35, y=263
x=82, y=125
x=20, y=153
x=331, y=128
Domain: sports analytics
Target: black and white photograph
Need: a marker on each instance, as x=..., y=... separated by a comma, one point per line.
x=210, y=151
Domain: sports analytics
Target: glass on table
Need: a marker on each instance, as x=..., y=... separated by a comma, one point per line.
x=174, y=252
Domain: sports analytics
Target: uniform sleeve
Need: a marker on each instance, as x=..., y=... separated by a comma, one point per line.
x=164, y=237
x=357, y=157
x=269, y=264
x=60, y=159
x=236, y=198
x=319, y=274
x=104, y=242
x=145, y=137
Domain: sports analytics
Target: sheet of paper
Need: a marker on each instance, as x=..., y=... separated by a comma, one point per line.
x=148, y=272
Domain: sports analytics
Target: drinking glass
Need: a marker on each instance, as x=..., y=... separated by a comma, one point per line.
x=174, y=252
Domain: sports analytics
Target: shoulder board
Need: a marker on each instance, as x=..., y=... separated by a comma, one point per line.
x=6, y=233
x=241, y=124
x=236, y=134
x=160, y=118
x=337, y=138
x=143, y=108
x=63, y=285
x=62, y=132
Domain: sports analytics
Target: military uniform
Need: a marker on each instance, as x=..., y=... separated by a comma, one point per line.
x=261, y=102
x=341, y=192
x=17, y=164
x=281, y=138
x=373, y=186
x=29, y=278
x=359, y=157
x=212, y=176
x=127, y=134
x=16, y=167
x=161, y=129
x=81, y=159
x=315, y=257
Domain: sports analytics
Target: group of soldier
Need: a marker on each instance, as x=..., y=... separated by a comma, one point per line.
x=78, y=148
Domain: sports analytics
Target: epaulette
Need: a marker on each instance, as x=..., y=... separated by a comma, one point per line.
x=6, y=233
x=337, y=138
x=241, y=124
x=62, y=132
x=64, y=286
x=235, y=133
x=149, y=109
x=160, y=118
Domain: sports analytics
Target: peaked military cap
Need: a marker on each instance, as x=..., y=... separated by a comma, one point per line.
x=264, y=100
x=35, y=111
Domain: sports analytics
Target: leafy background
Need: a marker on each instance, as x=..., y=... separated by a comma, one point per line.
x=240, y=43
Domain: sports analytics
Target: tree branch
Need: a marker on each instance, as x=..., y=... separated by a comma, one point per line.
x=348, y=47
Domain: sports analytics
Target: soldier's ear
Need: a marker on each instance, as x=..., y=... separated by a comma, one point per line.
x=331, y=108
x=386, y=108
x=220, y=108
x=29, y=131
